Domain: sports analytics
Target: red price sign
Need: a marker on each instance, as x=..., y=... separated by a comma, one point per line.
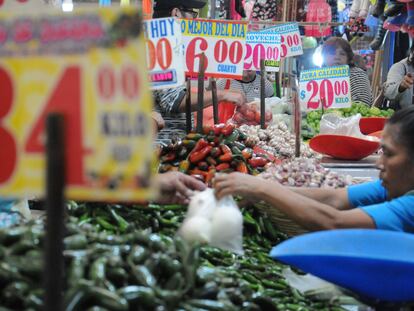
x=164, y=53
x=103, y=96
x=326, y=87
x=260, y=46
x=222, y=43
x=291, y=43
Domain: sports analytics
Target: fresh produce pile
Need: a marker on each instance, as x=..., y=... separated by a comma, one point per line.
x=249, y=114
x=313, y=118
x=222, y=148
x=275, y=139
x=303, y=172
x=139, y=265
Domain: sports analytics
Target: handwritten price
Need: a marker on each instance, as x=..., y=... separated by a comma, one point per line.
x=327, y=91
x=258, y=53
x=160, y=53
x=288, y=41
x=222, y=52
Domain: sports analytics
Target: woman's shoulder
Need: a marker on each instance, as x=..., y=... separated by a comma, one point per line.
x=357, y=70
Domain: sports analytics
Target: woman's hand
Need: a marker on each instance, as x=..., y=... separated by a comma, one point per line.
x=176, y=187
x=237, y=97
x=237, y=184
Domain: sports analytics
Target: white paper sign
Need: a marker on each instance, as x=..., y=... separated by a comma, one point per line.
x=291, y=43
x=165, y=53
x=327, y=87
x=261, y=45
x=222, y=42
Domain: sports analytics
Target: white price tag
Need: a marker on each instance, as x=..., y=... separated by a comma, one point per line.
x=291, y=43
x=260, y=45
x=325, y=87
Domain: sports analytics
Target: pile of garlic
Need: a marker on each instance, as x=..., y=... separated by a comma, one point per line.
x=275, y=139
x=304, y=172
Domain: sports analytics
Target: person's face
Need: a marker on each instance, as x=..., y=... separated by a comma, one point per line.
x=395, y=164
x=184, y=13
x=335, y=57
x=248, y=75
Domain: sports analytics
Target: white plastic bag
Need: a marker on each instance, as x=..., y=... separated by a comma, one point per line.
x=331, y=123
x=218, y=223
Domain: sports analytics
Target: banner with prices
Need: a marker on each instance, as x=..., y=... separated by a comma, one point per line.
x=260, y=45
x=327, y=87
x=222, y=42
x=291, y=43
x=90, y=67
x=165, y=53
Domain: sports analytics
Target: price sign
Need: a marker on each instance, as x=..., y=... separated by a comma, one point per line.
x=102, y=92
x=325, y=87
x=222, y=42
x=291, y=43
x=260, y=46
x=165, y=53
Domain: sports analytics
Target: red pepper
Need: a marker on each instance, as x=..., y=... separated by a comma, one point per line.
x=247, y=153
x=227, y=157
x=259, y=151
x=196, y=171
x=222, y=167
x=200, y=155
x=207, y=129
x=242, y=168
x=210, y=176
x=168, y=157
x=225, y=149
x=202, y=143
x=227, y=129
x=215, y=152
x=257, y=162
x=211, y=160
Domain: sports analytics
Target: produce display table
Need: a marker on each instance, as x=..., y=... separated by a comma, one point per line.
x=368, y=162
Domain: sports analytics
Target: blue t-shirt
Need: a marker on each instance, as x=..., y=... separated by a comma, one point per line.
x=396, y=214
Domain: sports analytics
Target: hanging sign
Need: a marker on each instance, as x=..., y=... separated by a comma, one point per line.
x=90, y=67
x=327, y=87
x=291, y=43
x=222, y=42
x=165, y=54
x=260, y=45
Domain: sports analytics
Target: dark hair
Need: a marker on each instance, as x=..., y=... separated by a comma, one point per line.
x=404, y=119
x=162, y=13
x=333, y=43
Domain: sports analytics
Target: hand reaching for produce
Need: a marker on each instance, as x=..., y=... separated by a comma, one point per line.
x=236, y=97
x=177, y=188
x=236, y=184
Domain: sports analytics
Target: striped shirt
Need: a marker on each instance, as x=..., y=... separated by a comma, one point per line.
x=360, y=86
x=250, y=89
x=167, y=103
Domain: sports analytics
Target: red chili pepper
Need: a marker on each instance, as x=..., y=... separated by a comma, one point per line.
x=196, y=171
x=227, y=157
x=200, y=155
x=215, y=152
x=211, y=160
x=259, y=151
x=168, y=157
x=257, y=162
x=227, y=129
x=247, y=153
x=202, y=143
x=242, y=168
x=225, y=149
x=210, y=176
x=207, y=129
x=222, y=167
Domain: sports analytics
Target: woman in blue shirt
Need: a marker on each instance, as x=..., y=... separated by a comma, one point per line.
x=387, y=203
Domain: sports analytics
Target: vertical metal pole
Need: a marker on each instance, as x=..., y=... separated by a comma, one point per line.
x=297, y=117
x=278, y=86
x=213, y=9
x=215, y=100
x=262, y=93
x=188, y=106
x=55, y=204
x=200, y=95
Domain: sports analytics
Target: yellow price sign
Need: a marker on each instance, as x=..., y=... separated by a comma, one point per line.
x=103, y=94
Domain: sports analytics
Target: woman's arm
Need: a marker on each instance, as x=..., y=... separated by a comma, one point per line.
x=337, y=198
x=306, y=211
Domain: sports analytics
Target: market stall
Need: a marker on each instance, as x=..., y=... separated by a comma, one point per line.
x=77, y=132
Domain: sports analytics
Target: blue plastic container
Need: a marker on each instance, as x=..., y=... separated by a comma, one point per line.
x=375, y=264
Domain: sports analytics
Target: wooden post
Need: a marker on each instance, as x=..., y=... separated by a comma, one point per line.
x=188, y=106
x=200, y=94
x=297, y=117
x=53, y=269
x=215, y=100
x=262, y=93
